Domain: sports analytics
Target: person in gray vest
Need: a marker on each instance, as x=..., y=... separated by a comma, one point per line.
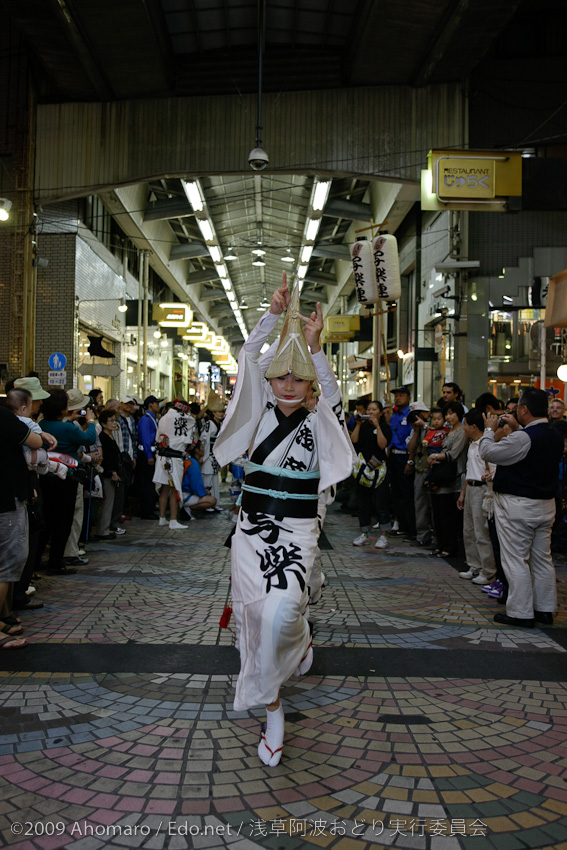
x=524, y=486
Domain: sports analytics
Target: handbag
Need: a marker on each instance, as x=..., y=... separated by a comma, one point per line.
x=441, y=474
x=126, y=461
x=367, y=475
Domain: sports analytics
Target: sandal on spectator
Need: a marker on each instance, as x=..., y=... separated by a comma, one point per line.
x=13, y=643
x=8, y=629
x=12, y=621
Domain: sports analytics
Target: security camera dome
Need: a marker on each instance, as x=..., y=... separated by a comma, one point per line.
x=258, y=159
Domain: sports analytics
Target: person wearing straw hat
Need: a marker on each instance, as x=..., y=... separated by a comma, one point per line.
x=209, y=428
x=294, y=454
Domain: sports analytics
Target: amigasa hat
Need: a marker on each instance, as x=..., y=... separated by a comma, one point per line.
x=214, y=402
x=292, y=356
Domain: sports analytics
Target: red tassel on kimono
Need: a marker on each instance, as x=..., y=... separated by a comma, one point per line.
x=225, y=617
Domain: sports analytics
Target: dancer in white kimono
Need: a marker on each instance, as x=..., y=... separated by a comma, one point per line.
x=209, y=427
x=174, y=437
x=294, y=455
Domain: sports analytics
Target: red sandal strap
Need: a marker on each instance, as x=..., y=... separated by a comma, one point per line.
x=272, y=752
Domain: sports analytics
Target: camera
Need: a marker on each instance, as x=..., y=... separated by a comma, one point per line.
x=413, y=416
x=258, y=159
x=83, y=412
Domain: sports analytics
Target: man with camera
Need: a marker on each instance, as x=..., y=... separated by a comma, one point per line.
x=524, y=486
x=418, y=419
x=129, y=434
x=400, y=465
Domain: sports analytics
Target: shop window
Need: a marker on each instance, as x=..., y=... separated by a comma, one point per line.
x=88, y=382
x=501, y=334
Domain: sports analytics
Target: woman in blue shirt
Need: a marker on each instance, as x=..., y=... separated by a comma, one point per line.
x=59, y=495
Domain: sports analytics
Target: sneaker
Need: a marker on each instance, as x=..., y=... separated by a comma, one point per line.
x=492, y=585
x=162, y=521
x=125, y=518
x=31, y=590
x=496, y=590
x=118, y=530
x=76, y=562
x=362, y=540
x=381, y=543
x=480, y=579
x=377, y=525
x=395, y=525
x=176, y=526
x=467, y=575
x=82, y=551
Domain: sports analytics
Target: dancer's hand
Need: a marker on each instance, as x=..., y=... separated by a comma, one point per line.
x=280, y=299
x=312, y=328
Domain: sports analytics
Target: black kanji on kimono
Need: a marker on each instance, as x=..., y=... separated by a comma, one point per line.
x=339, y=412
x=305, y=438
x=275, y=560
x=264, y=526
x=292, y=463
x=181, y=427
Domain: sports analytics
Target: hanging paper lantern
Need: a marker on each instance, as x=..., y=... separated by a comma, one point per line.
x=387, y=267
x=364, y=275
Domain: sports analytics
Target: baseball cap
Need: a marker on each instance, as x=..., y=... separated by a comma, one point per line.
x=77, y=399
x=400, y=390
x=33, y=386
x=127, y=399
x=151, y=399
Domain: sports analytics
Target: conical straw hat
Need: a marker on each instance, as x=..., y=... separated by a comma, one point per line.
x=292, y=356
x=214, y=402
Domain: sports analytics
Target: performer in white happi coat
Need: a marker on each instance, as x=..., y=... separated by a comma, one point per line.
x=209, y=427
x=294, y=455
x=174, y=437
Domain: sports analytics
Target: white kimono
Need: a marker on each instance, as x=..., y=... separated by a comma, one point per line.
x=209, y=465
x=179, y=428
x=273, y=553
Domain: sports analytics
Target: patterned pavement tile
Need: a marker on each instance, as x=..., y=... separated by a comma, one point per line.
x=160, y=759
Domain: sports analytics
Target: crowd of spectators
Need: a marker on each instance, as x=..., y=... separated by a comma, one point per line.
x=490, y=481
x=76, y=469
x=487, y=483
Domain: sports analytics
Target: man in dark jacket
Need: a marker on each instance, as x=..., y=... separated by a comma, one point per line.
x=147, y=427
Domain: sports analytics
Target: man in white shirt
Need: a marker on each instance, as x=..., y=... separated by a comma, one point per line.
x=524, y=486
x=479, y=553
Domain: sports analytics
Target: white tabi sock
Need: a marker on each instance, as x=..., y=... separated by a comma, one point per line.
x=271, y=742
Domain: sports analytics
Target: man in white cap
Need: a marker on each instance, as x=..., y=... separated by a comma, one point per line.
x=78, y=405
x=129, y=440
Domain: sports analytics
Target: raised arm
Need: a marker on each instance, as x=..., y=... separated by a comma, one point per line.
x=260, y=334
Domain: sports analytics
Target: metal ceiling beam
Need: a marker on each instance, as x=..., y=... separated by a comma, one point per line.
x=165, y=52
x=202, y=277
x=331, y=252
x=188, y=250
x=440, y=41
x=83, y=50
x=339, y=208
x=168, y=208
x=310, y=295
x=219, y=310
x=323, y=278
x=211, y=295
